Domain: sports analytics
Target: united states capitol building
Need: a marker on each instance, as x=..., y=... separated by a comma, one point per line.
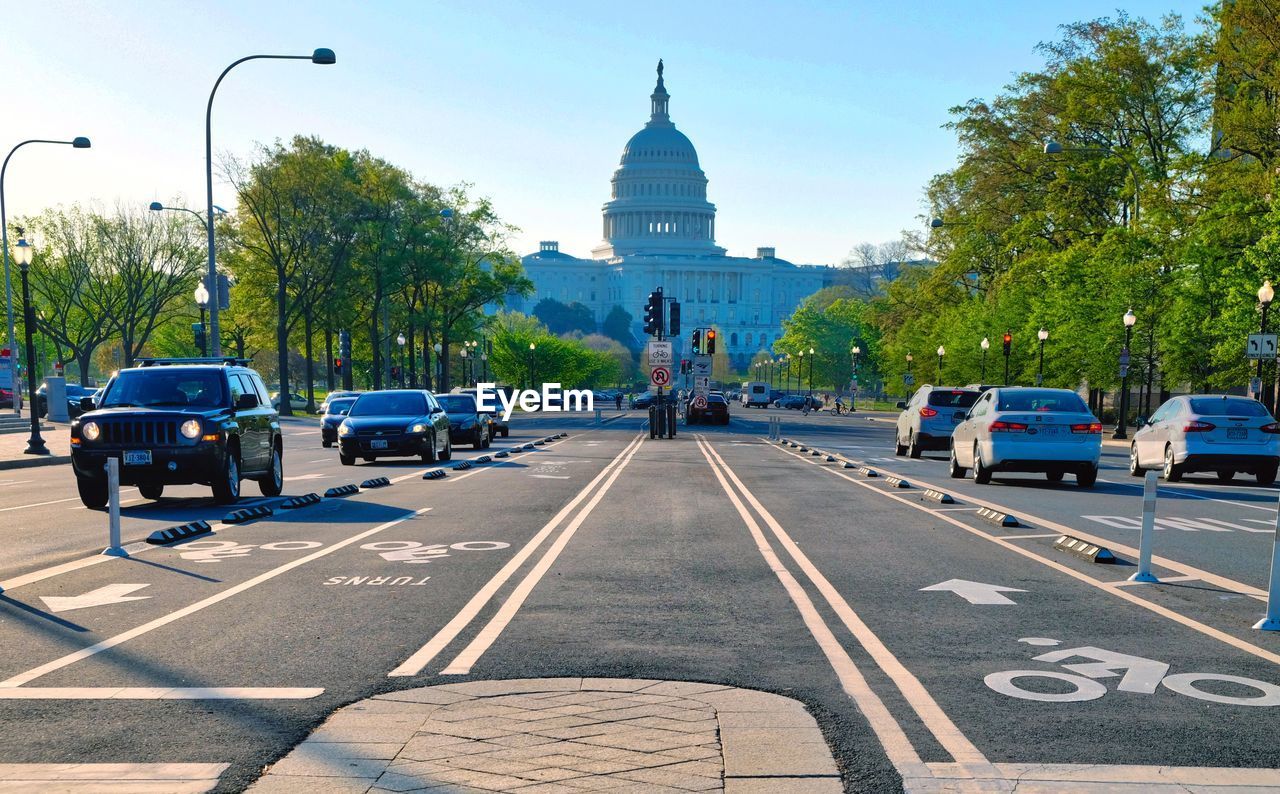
x=659, y=229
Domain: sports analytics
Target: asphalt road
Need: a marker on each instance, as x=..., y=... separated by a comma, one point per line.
x=715, y=556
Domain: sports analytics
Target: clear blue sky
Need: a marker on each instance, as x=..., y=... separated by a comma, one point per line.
x=818, y=124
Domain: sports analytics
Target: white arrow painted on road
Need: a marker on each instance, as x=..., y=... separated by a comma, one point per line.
x=111, y=594
x=975, y=592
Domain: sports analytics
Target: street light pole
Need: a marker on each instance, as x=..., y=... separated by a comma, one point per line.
x=400, y=340
x=1043, y=335
x=35, y=444
x=202, y=300
x=321, y=56
x=80, y=142
x=941, y=352
x=853, y=398
x=1123, y=420
x=986, y=343
x=1266, y=294
x=532, y=352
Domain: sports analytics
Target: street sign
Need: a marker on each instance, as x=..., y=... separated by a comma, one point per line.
x=660, y=354
x=908, y=379
x=1124, y=357
x=1261, y=346
x=700, y=402
x=702, y=365
x=660, y=376
x=701, y=384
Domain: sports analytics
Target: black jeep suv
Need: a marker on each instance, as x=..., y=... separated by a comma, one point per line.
x=178, y=422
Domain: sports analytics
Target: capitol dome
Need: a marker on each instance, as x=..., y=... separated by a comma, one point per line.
x=659, y=198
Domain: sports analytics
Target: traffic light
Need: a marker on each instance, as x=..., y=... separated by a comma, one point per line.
x=686, y=366
x=697, y=341
x=197, y=331
x=673, y=322
x=710, y=346
x=395, y=373
x=337, y=365
x=1008, y=342
x=653, y=313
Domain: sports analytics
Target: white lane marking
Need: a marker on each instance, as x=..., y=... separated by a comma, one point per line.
x=315, y=476
x=1188, y=495
x=1177, y=617
x=110, y=594
x=122, y=501
x=975, y=592
x=461, y=665
x=423, y=656
x=1130, y=582
x=551, y=476
x=164, y=620
x=57, y=570
x=159, y=693
x=931, y=714
x=320, y=460
x=14, y=482
x=1033, y=536
x=51, y=502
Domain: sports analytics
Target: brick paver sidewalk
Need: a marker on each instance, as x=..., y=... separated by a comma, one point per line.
x=563, y=735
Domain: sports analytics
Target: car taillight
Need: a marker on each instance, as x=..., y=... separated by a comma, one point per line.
x=1197, y=427
x=1090, y=427
x=927, y=412
x=1274, y=427
x=1006, y=427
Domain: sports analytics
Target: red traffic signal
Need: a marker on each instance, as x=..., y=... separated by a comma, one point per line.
x=710, y=346
x=1008, y=341
x=337, y=363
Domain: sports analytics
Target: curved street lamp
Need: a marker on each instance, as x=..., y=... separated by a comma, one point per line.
x=79, y=142
x=942, y=351
x=985, y=344
x=22, y=255
x=322, y=56
x=1266, y=294
x=1122, y=422
x=1042, y=335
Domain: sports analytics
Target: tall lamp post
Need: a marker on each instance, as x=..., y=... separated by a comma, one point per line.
x=910, y=358
x=853, y=399
x=533, y=351
x=22, y=255
x=463, y=355
x=1042, y=335
x=80, y=142
x=400, y=340
x=1129, y=319
x=202, y=301
x=320, y=56
x=985, y=344
x=1266, y=294
x=810, y=374
x=942, y=351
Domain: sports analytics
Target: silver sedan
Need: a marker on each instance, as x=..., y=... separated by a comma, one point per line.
x=1208, y=432
x=1015, y=429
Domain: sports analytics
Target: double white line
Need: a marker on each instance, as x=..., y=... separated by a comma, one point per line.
x=896, y=744
x=462, y=663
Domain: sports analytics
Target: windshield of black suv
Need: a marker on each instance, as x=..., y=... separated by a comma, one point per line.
x=166, y=388
x=390, y=404
x=457, y=403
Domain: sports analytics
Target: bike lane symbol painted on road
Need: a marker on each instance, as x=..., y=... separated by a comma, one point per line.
x=1137, y=674
x=209, y=551
x=412, y=551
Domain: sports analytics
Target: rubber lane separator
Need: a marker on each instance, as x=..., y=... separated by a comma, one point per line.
x=896, y=482
x=342, y=490
x=180, y=532
x=1085, y=550
x=300, y=501
x=434, y=474
x=376, y=482
x=462, y=465
x=247, y=514
x=501, y=454
x=483, y=459
x=938, y=496
x=998, y=518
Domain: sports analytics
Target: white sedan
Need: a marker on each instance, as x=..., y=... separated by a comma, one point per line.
x=1208, y=432
x=1032, y=430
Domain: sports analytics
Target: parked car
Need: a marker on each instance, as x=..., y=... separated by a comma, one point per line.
x=6, y=397
x=1016, y=429
x=334, y=412
x=1208, y=432
x=928, y=418
x=794, y=402
x=333, y=395
x=466, y=422
x=643, y=400
x=497, y=425
x=178, y=422
x=394, y=423
x=296, y=401
x=716, y=412
x=74, y=392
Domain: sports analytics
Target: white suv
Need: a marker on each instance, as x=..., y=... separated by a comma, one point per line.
x=928, y=418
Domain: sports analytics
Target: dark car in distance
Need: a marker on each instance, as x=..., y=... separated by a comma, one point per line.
x=335, y=411
x=180, y=422
x=466, y=422
x=74, y=394
x=497, y=425
x=396, y=423
x=716, y=412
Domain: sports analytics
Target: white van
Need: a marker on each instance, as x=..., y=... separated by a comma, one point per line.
x=755, y=392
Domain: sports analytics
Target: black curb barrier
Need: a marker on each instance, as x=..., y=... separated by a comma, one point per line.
x=896, y=482
x=501, y=454
x=867, y=471
x=831, y=459
x=376, y=482
x=937, y=496
x=462, y=465
x=817, y=453
x=997, y=518
x=300, y=501
x=528, y=447
x=849, y=465
x=804, y=449
x=434, y=474
x=1089, y=551
x=342, y=490
x=247, y=514
x=484, y=459
x=539, y=442
x=179, y=532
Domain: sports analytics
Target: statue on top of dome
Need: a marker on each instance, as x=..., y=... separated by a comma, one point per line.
x=659, y=68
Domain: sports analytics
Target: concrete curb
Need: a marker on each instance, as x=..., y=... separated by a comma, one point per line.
x=741, y=739
x=34, y=461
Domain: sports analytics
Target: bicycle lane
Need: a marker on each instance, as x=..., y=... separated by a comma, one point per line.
x=1101, y=693
x=330, y=627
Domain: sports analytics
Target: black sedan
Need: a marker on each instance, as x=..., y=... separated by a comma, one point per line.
x=74, y=392
x=716, y=412
x=643, y=400
x=497, y=425
x=466, y=422
x=335, y=411
x=395, y=424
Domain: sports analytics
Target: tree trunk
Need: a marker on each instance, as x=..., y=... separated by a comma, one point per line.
x=444, y=363
x=282, y=345
x=83, y=361
x=413, y=359
x=376, y=367
x=310, y=363
x=328, y=355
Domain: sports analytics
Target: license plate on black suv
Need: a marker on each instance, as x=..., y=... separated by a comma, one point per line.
x=137, y=457
x=378, y=443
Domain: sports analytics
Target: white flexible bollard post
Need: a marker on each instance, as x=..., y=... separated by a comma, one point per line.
x=114, y=549
x=1272, y=620
x=1144, y=573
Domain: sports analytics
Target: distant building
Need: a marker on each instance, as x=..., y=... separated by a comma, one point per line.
x=659, y=230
